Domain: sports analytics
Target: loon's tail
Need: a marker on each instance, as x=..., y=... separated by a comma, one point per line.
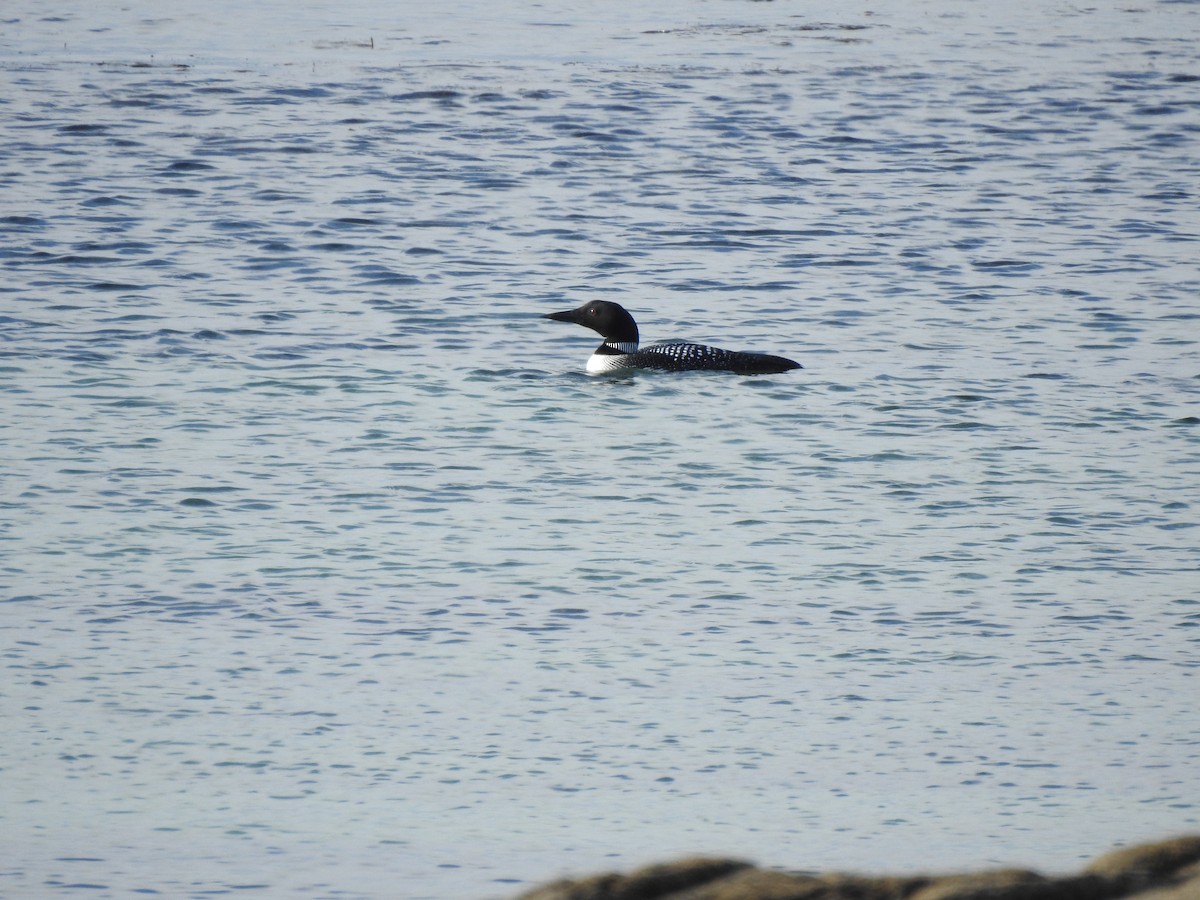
x=746, y=363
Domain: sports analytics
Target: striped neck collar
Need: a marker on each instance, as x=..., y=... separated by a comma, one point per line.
x=613, y=347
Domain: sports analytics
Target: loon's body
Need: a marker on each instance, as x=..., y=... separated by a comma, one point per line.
x=621, y=350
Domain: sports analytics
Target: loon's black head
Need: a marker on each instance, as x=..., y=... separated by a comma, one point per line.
x=610, y=319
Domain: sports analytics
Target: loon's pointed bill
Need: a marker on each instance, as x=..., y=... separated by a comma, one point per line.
x=621, y=350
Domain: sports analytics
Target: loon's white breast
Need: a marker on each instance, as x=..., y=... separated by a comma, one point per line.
x=603, y=363
x=611, y=356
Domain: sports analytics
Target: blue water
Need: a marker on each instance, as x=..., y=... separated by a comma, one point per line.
x=329, y=573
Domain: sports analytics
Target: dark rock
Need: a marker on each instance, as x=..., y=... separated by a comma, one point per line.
x=1149, y=860
x=1168, y=870
x=643, y=884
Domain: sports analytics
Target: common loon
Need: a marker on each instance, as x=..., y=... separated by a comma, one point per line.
x=620, y=351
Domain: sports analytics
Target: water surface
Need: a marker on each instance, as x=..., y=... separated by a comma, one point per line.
x=328, y=571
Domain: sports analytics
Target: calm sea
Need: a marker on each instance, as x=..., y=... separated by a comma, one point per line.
x=327, y=573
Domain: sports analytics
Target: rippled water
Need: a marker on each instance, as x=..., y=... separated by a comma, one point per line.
x=329, y=573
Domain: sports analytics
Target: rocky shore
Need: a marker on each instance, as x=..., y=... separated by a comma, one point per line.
x=1167, y=870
